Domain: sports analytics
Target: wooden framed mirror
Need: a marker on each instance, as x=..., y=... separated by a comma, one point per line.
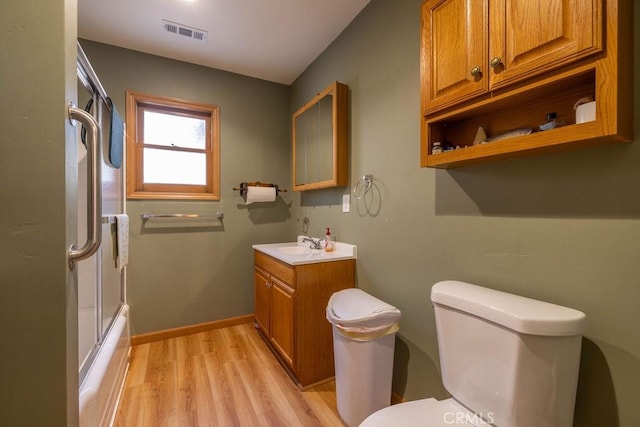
x=320, y=140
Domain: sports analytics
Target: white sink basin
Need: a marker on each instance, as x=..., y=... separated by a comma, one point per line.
x=299, y=252
x=294, y=250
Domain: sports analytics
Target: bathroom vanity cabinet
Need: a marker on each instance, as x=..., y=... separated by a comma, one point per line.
x=290, y=303
x=505, y=64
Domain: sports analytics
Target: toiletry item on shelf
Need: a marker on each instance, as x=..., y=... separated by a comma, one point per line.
x=446, y=146
x=481, y=136
x=510, y=134
x=328, y=241
x=585, y=110
x=436, y=148
x=552, y=122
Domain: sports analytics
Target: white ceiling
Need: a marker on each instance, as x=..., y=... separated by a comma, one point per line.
x=273, y=40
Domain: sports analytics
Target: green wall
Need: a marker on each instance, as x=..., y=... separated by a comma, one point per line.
x=38, y=316
x=185, y=272
x=562, y=228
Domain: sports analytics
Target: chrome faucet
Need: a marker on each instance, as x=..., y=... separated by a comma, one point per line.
x=315, y=244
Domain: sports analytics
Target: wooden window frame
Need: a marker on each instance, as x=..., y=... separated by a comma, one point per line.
x=136, y=189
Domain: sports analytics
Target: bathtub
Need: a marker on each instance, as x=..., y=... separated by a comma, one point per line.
x=101, y=389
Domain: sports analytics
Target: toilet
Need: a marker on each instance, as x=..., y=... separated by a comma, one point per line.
x=506, y=360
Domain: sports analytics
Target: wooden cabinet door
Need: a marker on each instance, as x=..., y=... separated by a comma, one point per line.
x=454, y=54
x=262, y=299
x=532, y=37
x=282, y=319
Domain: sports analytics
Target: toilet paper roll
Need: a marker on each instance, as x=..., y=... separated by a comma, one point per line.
x=260, y=194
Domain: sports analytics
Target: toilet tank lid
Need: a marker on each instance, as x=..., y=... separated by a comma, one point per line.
x=521, y=314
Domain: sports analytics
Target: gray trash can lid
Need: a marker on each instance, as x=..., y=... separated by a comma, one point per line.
x=354, y=308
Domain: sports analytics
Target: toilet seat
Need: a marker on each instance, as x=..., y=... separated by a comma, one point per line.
x=425, y=413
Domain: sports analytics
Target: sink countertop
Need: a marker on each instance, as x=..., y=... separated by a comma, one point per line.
x=296, y=253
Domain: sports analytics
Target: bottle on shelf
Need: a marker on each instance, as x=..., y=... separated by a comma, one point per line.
x=436, y=148
x=552, y=122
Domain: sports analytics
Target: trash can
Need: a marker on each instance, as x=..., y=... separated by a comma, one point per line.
x=364, y=331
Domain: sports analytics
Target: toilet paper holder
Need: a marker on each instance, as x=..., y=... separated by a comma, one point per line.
x=244, y=185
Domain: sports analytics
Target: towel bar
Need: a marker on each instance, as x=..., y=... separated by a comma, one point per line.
x=148, y=216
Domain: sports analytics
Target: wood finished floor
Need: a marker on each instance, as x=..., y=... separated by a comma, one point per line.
x=223, y=377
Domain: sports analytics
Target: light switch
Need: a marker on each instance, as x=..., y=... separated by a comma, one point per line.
x=346, y=202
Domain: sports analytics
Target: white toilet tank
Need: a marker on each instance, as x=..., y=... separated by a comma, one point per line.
x=510, y=359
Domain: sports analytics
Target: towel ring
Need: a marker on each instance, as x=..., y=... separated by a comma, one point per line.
x=363, y=186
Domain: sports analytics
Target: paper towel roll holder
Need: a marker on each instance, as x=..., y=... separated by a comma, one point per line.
x=244, y=185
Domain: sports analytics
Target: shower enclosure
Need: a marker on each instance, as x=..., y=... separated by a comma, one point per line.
x=103, y=331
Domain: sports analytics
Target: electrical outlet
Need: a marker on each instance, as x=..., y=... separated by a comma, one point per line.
x=346, y=202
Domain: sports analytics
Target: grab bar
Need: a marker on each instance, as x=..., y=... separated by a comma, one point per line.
x=148, y=216
x=94, y=187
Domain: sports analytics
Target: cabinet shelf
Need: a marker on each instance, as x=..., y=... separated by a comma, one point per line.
x=520, y=108
x=555, y=140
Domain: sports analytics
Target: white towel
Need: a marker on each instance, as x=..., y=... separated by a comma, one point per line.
x=122, y=240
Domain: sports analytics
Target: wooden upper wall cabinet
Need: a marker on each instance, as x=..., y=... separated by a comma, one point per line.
x=455, y=42
x=505, y=64
x=527, y=37
x=473, y=46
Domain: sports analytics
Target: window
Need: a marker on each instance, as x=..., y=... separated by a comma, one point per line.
x=173, y=149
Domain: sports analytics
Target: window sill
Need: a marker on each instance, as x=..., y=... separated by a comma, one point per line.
x=142, y=195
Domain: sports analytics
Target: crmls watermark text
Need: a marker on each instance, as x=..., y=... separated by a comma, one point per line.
x=465, y=418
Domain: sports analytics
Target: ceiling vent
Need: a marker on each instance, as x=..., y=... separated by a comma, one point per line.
x=183, y=30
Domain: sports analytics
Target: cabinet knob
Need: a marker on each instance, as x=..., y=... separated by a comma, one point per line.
x=495, y=62
x=475, y=71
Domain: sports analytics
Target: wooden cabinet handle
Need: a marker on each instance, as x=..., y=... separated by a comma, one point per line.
x=475, y=71
x=495, y=62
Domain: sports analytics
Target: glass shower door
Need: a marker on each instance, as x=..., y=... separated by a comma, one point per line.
x=100, y=282
x=87, y=269
x=112, y=204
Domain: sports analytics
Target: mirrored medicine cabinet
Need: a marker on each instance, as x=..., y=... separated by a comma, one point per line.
x=320, y=140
